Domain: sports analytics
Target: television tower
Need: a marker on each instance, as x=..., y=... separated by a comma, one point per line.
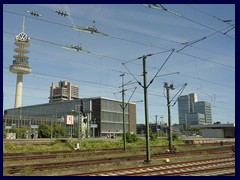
x=20, y=64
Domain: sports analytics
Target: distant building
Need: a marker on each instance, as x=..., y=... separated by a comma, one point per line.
x=204, y=108
x=216, y=130
x=104, y=116
x=64, y=92
x=195, y=119
x=100, y=116
x=186, y=106
x=193, y=112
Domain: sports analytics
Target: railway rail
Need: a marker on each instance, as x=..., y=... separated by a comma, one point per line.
x=72, y=153
x=77, y=163
x=214, y=166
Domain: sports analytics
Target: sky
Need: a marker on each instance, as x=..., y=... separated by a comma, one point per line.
x=189, y=43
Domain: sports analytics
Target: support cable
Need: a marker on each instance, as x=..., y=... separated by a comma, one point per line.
x=183, y=17
x=132, y=75
x=160, y=68
x=179, y=92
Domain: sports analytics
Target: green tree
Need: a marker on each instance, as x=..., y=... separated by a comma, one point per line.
x=59, y=131
x=22, y=130
x=44, y=131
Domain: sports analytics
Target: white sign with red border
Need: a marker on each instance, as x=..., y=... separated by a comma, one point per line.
x=70, y=119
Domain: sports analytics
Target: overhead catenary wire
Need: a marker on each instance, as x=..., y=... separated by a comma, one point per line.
x=229, y=30
x=111, y=57
x=116, y=37
x=202, y=59
x=160, y=68
x=161, y=7
x=70, y=52
x=120, y=60
x=180, y=91
x=198, y=40
x=151, y=46
x=213, y=16
x=70, y=26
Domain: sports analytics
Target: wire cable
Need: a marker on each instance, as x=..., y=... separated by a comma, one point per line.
x=160, y=68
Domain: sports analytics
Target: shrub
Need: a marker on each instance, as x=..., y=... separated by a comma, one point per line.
x=153, y=136
x=174, y=136
x=130, y=138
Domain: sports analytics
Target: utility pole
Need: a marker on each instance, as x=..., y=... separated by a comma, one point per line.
x=79, y=125
x=123, y=108
x=145, y=87
x=156, y=125
x=168, y=87
x=161, y=127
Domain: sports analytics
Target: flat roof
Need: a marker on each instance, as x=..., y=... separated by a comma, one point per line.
x=212, y=125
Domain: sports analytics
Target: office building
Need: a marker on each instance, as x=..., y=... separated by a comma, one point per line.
x=191, y=111
x=204, y=108
x=104, y=116
x=64, y=92
x=186, y=106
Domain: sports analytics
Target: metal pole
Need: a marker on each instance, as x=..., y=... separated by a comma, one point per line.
x=146, y=110
x=123, y=108
x=161, y=126
x=88, y=118
x=156, y=125
x=79, y=126
x=169, y=119
x=93, y=132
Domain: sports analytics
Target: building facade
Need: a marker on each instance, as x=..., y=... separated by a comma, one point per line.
x=216, y=130
x=204, y=108
x=186, y=106
x=104, y=116
x=193, y=112
x=65, y=91
x=195, y=119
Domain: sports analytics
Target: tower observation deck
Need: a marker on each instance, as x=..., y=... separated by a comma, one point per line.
x=20, y=64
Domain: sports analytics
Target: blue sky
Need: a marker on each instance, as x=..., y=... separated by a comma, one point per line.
x=207, y=66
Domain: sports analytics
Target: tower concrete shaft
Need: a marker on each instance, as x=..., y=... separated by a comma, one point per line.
x=20, y=64
x=18, y=94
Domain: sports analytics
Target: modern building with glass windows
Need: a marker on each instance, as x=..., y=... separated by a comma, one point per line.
x=186, y=106
x=193, y=112
x=99, y=115
x=204, y=108
x=104, y=115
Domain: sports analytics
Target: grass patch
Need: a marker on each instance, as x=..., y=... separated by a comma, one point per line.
x=62, y=145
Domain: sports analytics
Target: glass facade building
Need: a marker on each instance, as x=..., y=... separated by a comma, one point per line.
x=193, y=112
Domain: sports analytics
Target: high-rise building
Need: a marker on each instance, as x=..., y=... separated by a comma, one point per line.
x=193, y=112
x=186, y=106
x=20, y=64
x=195, y=118
x=204, y=108
x=64, y=92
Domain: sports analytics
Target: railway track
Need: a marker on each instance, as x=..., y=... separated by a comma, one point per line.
x=69, y=164
x=67, y=154
x=209, y=167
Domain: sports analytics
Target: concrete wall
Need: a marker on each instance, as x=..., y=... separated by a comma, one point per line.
x=212, y=133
